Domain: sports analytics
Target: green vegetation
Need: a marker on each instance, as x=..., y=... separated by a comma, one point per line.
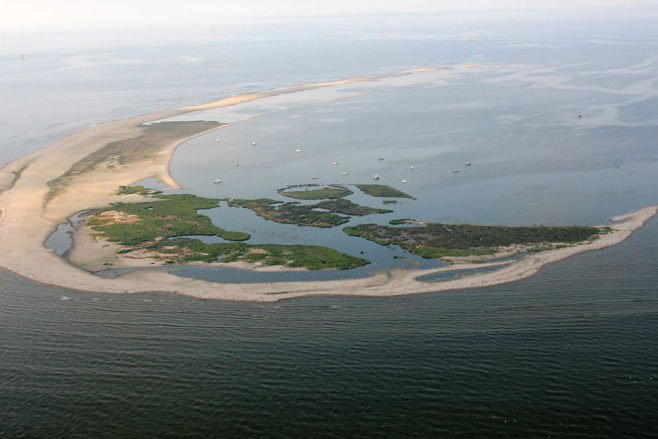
x=435, y=240
x=382, y=190
x=141, y=190
x=164, y=217
x=311, y=257
x=390, y=201
x=399, y=222
x=159, y=226
x=327, y=193
x=323, y=214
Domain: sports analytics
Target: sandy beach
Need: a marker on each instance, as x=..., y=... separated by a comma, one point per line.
x=41, y=190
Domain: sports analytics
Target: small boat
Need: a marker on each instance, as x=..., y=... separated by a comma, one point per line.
x=253, y=143
x=455, y=170
x=237, y=164
x=344, y=173
x=334, y=163
x=381, y=159
x=313, y=177
x=217, y=181
x=298, y=150
x=468, y=163
x=412, y=167
x=404, y=181
x=217, y=140
x=376, y=177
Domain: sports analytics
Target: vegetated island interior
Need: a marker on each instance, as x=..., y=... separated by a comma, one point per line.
x=163, y=228
x=437, y=240
x=160, y=228
x=382, y=191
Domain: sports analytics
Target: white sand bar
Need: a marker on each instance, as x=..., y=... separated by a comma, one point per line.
x=30, y=212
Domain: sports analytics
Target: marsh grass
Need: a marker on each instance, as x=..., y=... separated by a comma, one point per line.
x=163, y=224
x=436, y=240
x=382, y=190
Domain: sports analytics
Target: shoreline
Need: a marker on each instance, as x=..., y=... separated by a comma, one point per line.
x=27, y=218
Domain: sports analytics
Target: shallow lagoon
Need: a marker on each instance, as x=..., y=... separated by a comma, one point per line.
x=535, y=161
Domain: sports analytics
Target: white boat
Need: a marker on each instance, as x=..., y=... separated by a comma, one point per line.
x=344, y=173
x=313, y=177
x=217, y=140
x=298, y=150
x=376, y=177
x=412, y=167
x=334, y=163
x=253, y=143
x=455, y=170
x=404, y=181
x=468, y=163
x=217, y=181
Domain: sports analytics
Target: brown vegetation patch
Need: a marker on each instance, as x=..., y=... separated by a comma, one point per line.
x=117, y=217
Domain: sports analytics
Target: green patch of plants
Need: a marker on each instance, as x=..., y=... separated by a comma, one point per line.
x=317, y=194
x=164, y=217
x=162, y=225
x=310, y=257
x=327, y=213
x=382, y=190
x=399, y=222
x=436, y=240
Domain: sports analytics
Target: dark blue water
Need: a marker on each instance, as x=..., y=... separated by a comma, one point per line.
x=569, y=353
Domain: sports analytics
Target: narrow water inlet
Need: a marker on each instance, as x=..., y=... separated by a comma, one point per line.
x=61, y=240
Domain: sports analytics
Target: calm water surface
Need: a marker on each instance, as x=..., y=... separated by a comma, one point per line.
x=569, y=353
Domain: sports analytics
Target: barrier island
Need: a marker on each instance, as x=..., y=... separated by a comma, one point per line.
x=42, y=190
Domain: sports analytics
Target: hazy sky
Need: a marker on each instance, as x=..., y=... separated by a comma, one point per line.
x=53, y=15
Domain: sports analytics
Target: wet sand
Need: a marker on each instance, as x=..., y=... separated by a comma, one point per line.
x=30, y=211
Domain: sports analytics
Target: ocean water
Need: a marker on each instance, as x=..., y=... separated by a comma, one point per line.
x=570, y=352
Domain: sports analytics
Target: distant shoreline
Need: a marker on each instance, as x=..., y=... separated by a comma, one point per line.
x=30, y=210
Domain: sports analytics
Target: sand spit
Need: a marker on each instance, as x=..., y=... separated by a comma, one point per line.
x=30, y=210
